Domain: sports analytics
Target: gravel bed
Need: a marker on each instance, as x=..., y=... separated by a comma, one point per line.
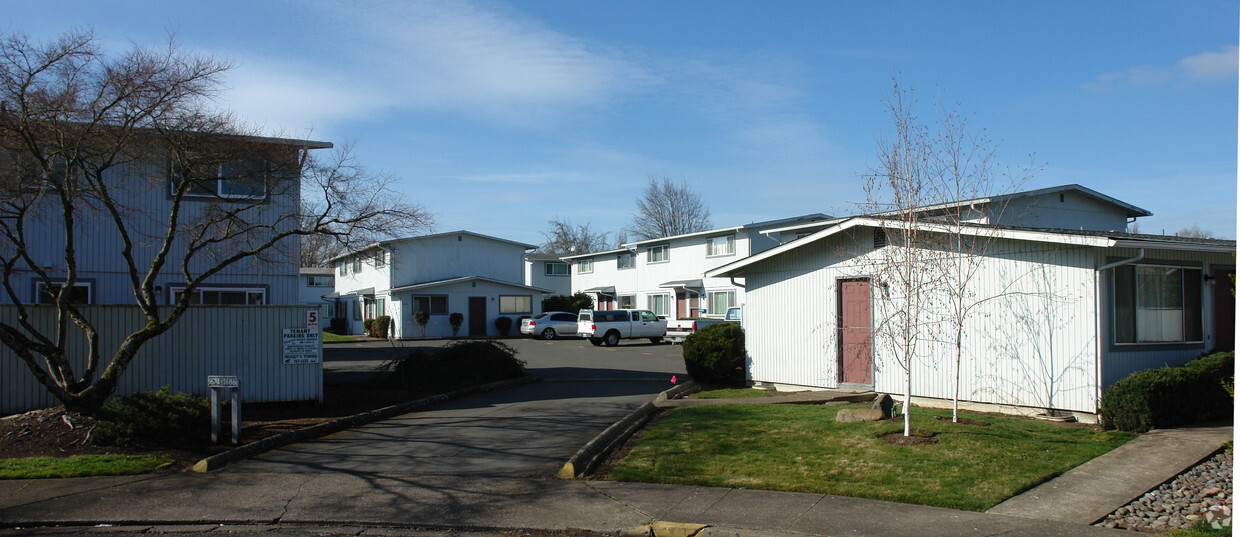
x=1203, y=492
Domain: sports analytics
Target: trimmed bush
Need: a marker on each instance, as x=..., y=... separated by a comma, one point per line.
x=455, y=320
x=383, y=325
x=368, y=327
x=503, y=324
x=460, y=363
x=339, y=325
x=421, y=318
x=1170, y=396
x=716, y=355
x=154, y=418
x=571, y=304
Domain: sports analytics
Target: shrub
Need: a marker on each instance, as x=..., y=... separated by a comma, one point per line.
x=460, y=363
x=1170, y=396
x=716, y=354
x=368, y=327
x=383, y=325
x=421, y=318
x=339, y=325
x=504, y=324
x=571, y=304
x=154, y=418
x=455, y=320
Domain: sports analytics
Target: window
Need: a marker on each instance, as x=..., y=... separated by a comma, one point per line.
x=224, y=296
x=321, y=281
x=1157, y=304
x=380, y=307
x=626, y=260
x=656, y=254
x=719, y=246
x=658, y=304
x=626, y=302
x=556, y=269
x=343, y=269
x=238, y=179
x=718, y=302
x=514, y=304
x=380, y=258
x=585, y=266
x=79, y=294
x=357, y=264
x=434, y=305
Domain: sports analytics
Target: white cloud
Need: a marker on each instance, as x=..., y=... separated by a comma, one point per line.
x=1224, y=64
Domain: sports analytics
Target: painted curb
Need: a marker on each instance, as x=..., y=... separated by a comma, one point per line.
x=587, y=458
x=219, y=460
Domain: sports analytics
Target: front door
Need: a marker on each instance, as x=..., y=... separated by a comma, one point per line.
x=1224, y=308
x=477, y=316
x=856, y=358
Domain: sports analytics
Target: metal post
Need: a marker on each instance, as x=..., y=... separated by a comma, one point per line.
x=215, y=415
x=236, y=414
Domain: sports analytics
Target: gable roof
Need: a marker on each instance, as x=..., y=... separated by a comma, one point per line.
x=1128, y=209
x=1095, y=239
x=389, y=242
x=462, y=279
x=752, y=225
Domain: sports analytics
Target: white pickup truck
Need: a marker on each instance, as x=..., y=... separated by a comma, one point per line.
x=610, y=326
x=678, y=330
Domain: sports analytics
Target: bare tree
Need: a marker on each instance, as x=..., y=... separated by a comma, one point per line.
x=128, y=150
x=564, y=238
x=668, y=209
x=1195, y=232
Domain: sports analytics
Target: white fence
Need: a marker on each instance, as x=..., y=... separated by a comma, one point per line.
x=242, y=341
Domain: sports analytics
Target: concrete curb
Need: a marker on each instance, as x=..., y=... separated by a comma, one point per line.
x=219, y=460
x=588, y=457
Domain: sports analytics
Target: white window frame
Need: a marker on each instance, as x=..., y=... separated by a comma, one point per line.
x=585, y=266
x=710, y=301
x=380, y=258
x=515, y=304
x=204, y=189
x=431, y=301
x=317, y=281
x=729, y=246
x=548, y=269
x=249, y=292
x=663, y=249
x=39, y=286
x=652, y=303
x=632, y=257
x=630, y=304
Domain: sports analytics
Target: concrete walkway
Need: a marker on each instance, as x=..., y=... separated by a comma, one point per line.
x=1097, y=488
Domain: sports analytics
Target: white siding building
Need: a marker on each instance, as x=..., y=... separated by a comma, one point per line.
x=1059, y=315
x=548, y=271
x=667, y=275
x=478, y=276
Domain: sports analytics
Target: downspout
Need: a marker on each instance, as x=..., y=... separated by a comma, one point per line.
x=1098, y=322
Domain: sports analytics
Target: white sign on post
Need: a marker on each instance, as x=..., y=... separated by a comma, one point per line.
x=301, y=346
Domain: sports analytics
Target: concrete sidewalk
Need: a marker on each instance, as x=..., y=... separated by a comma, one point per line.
x=1093, y=490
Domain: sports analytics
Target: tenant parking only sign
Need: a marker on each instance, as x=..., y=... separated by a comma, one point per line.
x=301, y=346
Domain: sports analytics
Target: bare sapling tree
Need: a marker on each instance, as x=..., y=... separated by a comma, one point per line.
x=896, y=190
x=125, y=158
x=667, y=209
x=564, y=238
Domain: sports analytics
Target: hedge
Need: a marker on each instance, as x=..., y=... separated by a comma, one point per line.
x=1169, y=396
x=716, y=355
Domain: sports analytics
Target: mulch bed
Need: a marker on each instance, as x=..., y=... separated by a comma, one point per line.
x=55, y=433
x=915, y=438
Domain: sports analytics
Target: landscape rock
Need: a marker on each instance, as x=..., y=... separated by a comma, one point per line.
x=849, y=415
x=1202, y=492
x=884, y=403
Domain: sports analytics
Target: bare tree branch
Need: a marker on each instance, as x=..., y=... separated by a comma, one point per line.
x=667, y=209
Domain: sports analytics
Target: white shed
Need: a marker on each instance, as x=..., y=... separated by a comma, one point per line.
x=1060, y=315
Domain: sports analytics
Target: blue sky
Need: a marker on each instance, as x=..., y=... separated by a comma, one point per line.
x=499, y=116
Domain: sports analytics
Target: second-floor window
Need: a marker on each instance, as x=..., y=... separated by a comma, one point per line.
x=657, y=254
x=626, y=261
x=718, y=246
x=321, y=281
x=380, y=258
x=556, y=269
x=357, y=264
x=80, y=293
x=585, y=266
x=343, y=269
x=238, y=179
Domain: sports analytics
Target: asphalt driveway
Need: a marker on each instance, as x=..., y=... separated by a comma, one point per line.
x=523, y=431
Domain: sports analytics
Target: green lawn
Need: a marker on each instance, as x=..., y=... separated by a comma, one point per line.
x=329, y=337
x=80, y=466
x=802, y=448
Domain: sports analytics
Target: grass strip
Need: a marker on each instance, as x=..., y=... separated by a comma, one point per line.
x=731, y=393
x=801, y=448
x=80, y=466
x=329, y=337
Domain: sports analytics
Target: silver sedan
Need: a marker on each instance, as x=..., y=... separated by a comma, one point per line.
x=550, y=325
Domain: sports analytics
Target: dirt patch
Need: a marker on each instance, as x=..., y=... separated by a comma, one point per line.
x=54, y=432
x=964, y=421
x=915, y=438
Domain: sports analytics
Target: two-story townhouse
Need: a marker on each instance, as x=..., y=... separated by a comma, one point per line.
x=548, y=271
x=478, y=276
x=257, y=177
x=666, y=275
x=313, y=285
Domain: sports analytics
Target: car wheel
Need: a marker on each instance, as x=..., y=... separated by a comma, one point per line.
x=612, y=339
x=596, y=341
x=656, y=339
x=548, y=333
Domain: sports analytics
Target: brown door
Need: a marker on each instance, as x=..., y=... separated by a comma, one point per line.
x=1224, y=309
x=681, y=307
x=477, y=316
x=854, y=314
